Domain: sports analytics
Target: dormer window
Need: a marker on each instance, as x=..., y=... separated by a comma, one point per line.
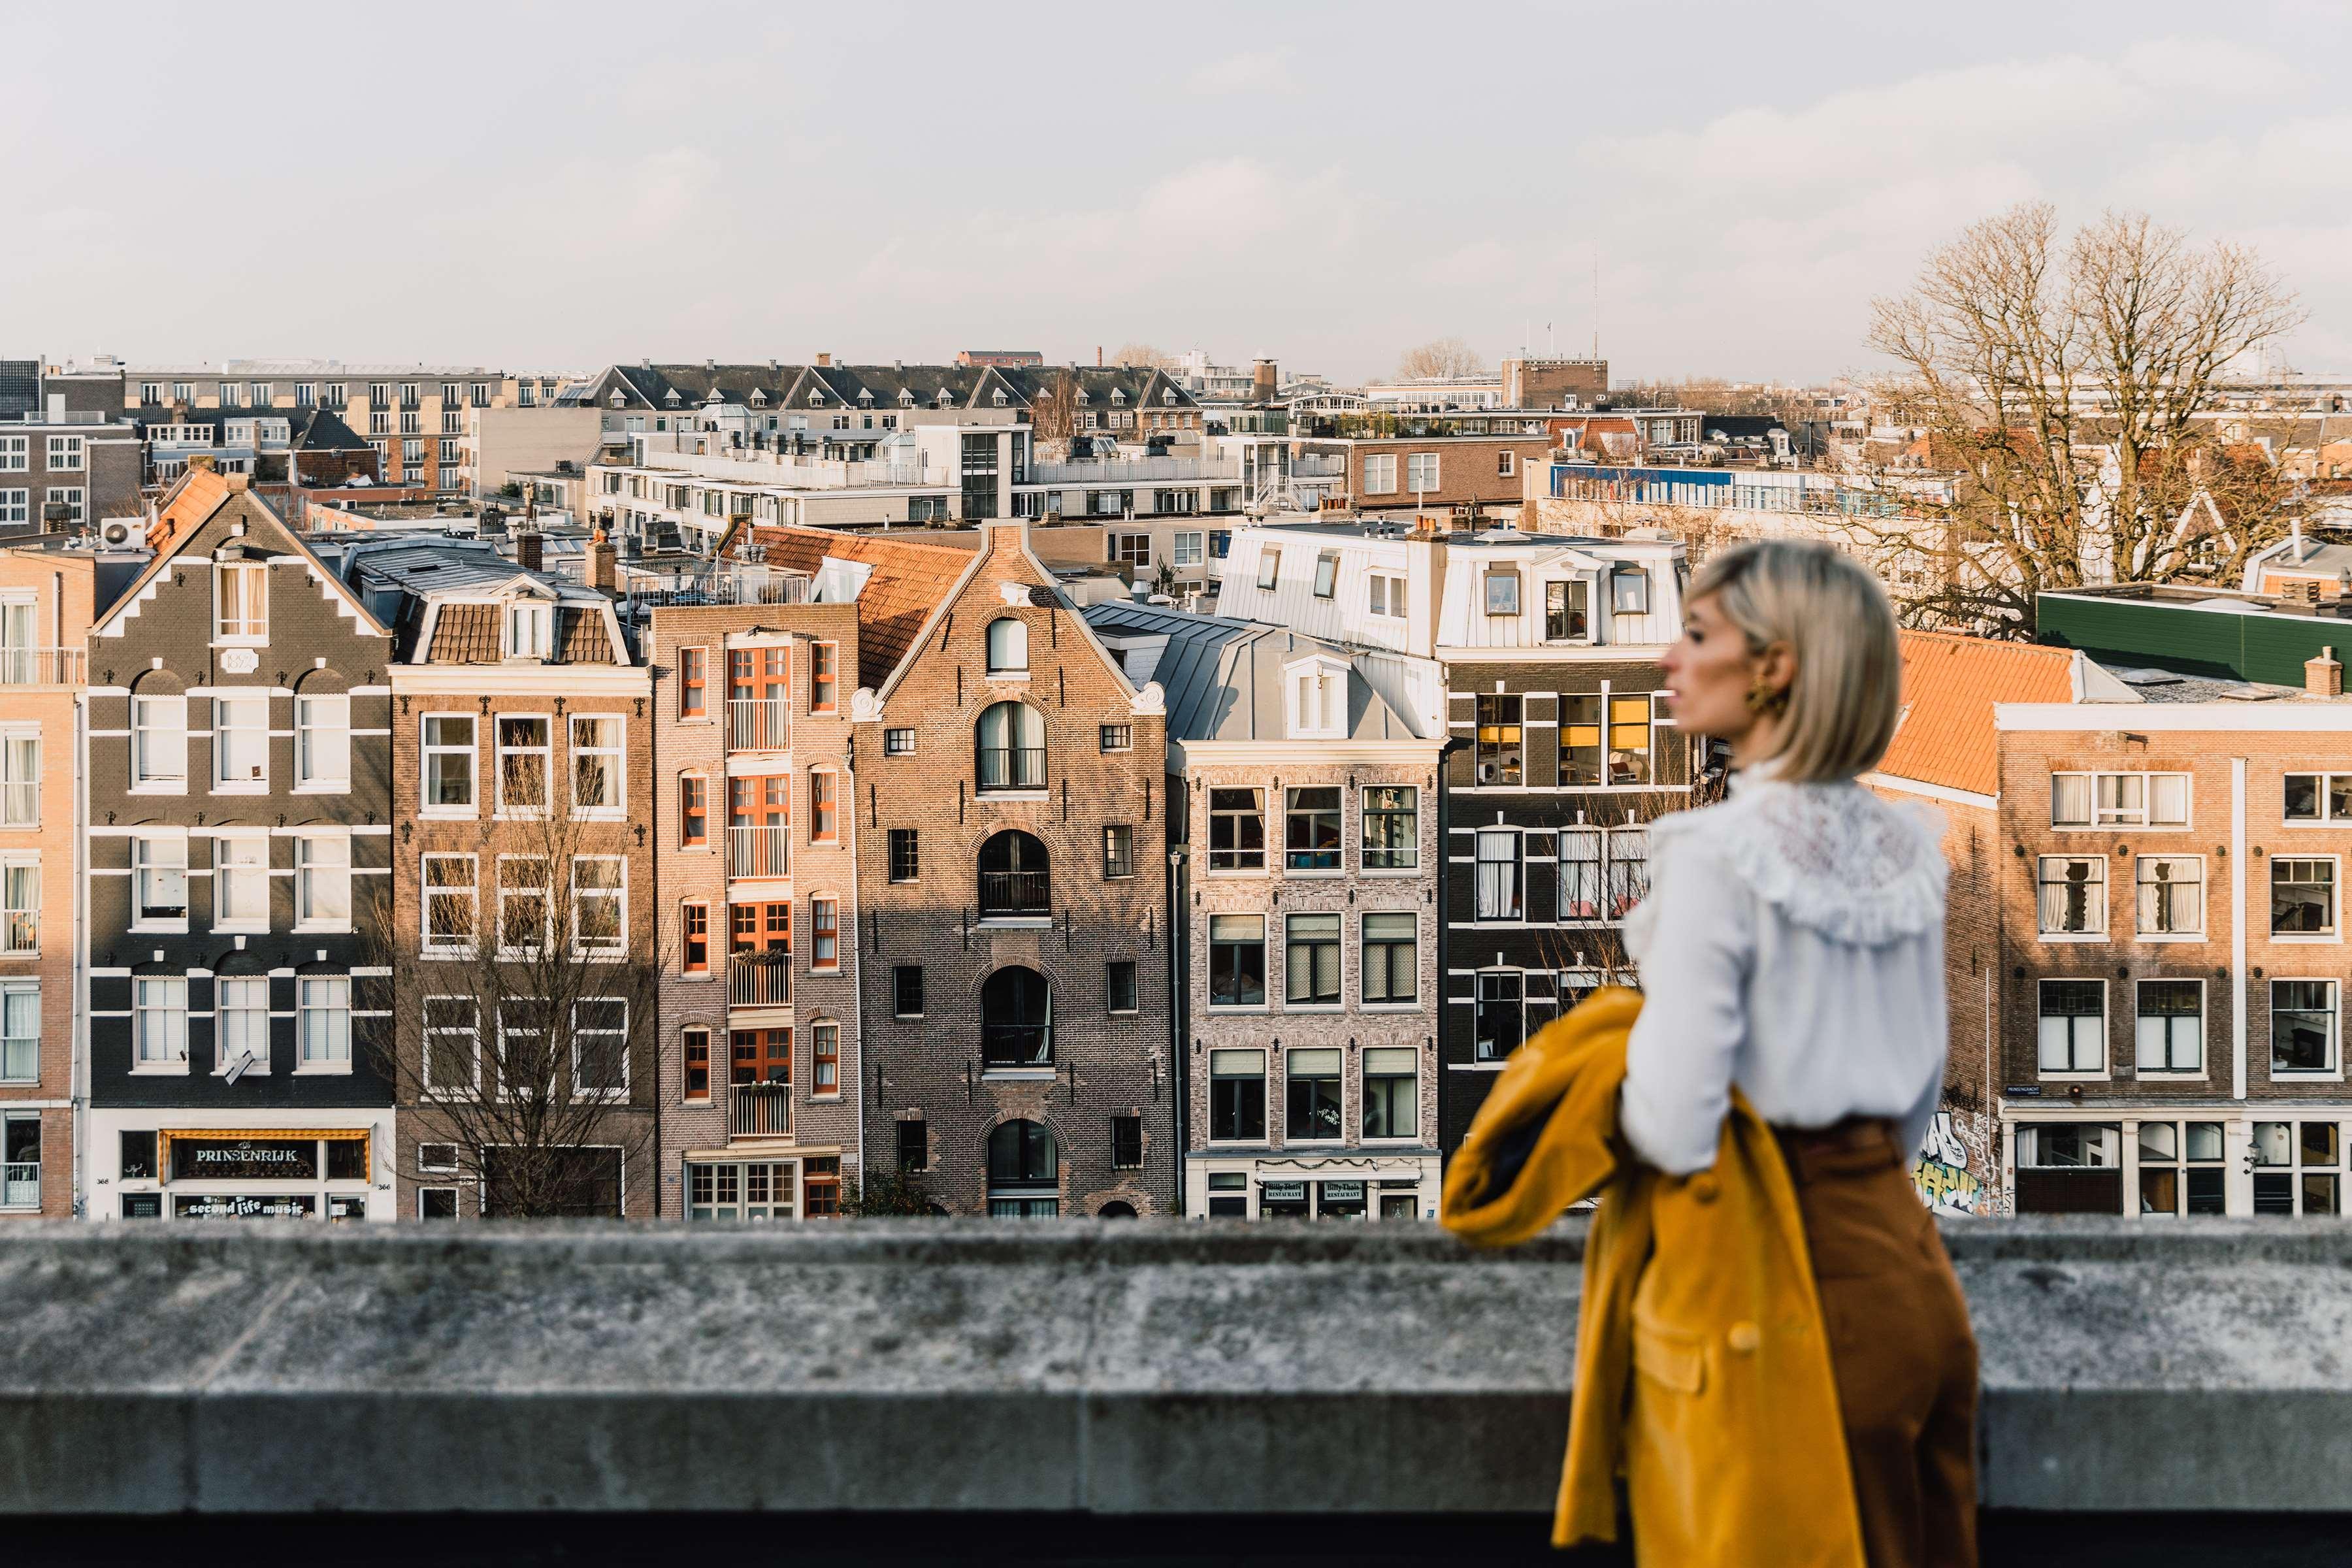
x=759, y=398
x=1001, y=400
x=817, y=400
x=1085, y=397
x=866, y=397
x=619, y=399
x=671, y=398
x=1118, y=394
x=905, y=398
x=531, y=630
x=1167, y=399
x=241, y=602
x=1319, y=699
x=942, y=399
x=1629, y=591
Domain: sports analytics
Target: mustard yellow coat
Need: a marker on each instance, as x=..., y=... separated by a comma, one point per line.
x=1702, y=1367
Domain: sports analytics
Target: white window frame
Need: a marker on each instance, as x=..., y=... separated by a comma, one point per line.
x=15, y=454
x=1364, y=845
x=2103, y=820
x=544, y=751
x=527, y=629
x=1518, y=864
x=616, y=894
x=1269, y=568
x=243, y=985
x=471, y=1033
x=20, y=781
x=1479, y=1003
x=244, y=703
x=250, y=629
x=2327, y=813
x=225, y=873
x=1380, y=473
x=1364, y=1099
x=159, y=1023
x=2140, y=884
x=147, y=737
x=319, y=1000
x=68, y=454
x=469, y=894
x=1189, y=548
x=429, y=749
x=1420, y=472
x=1008, y=655
x=2334, y=1071
x=318, y=875
x=509, y=888
x=143, y=863
x=616, y=765
x=579, y=1089
x=2098, y=930
x=2334, y=934
x=2103, y=1033
x=27, y=1045
x=20, y=904
x=15, y=505
x=322, y=743
x=73, y=497
x=2139, y=1029
x=1364, y=967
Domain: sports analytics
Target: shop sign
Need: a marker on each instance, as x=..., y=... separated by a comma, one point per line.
x=1343, y=1192
x=245, y=1160
x=244, y=1205
x=1282, y=1192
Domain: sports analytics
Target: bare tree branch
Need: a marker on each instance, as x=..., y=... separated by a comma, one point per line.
x=1440, y=356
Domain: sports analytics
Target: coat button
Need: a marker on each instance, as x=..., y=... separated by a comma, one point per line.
x=1744, y=1337
x=1703, y=1187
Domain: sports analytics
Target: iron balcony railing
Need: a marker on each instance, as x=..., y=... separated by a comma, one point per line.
x=41, y=666
x=1016, y=893
x=762, y=979
x=758, y=851
x=20, y=1185
x=760, y=1110
x=757, y=724
x=1012, y=767
x=1016, y=1044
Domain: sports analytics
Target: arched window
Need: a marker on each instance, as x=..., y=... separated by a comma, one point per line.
x=1016, y=1020
x=1008, y=646
x=1116, y=1210
x=1025, y=1172
x=1014, y=876
x=1012, y=747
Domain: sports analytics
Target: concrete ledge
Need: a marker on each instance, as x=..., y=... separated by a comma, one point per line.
x=1075, y=1367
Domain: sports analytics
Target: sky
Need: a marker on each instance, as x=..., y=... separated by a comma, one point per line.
x=556, y=188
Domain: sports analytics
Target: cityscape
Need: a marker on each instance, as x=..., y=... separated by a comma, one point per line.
x=1130, y=696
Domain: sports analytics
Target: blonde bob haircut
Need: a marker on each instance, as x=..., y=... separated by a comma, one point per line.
x=1834, y=618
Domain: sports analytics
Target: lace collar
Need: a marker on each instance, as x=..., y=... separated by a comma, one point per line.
x=1830, y=856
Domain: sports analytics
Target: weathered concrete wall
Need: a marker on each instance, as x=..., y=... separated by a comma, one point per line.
x=1142, y=1368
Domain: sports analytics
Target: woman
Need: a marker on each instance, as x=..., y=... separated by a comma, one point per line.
x=1793, y=946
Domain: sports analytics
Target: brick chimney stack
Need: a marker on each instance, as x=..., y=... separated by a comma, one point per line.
x=2324, y=676
x=600, y=557
x=528, y=552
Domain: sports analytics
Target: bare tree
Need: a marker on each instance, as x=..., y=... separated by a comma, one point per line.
x=1054, y=413
x=2062, y=389
x=524, y=1010
x=1440, y=356
x=1143, y=356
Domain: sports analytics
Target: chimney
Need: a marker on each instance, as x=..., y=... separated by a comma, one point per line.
x=2295, y=540
x=824, y=361
x=601, y=556
x=1262, y=380
x=2322, y=676
x=528, y=553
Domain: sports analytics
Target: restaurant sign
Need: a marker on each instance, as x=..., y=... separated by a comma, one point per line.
x=244, y=1205
x=1283, y=1192
x=245, y=1160
x=1343, y=1192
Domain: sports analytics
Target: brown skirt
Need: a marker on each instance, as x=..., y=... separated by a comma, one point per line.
x=1900, y=1347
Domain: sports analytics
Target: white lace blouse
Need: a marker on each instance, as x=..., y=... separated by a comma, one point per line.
x=1792, y=944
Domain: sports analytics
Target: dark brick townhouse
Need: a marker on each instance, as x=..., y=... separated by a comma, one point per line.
x=68, y=454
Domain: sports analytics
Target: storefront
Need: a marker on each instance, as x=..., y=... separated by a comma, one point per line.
x=2160, y=1161
x=1399, y=1187
x=806, y=1186
x=141, y=1170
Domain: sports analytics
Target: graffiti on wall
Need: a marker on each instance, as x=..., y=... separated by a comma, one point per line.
x=1948, y=1173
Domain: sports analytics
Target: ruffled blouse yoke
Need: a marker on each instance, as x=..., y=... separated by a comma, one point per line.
x=1792, y=944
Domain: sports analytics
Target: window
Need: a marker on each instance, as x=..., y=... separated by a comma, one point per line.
x=65, y=454
x=1008, y=646
x=1318, y=702
x=2171, y=1025
x=524, y=915
x=530, y=629
x=825, y=810
x=2181, y=1169
x=522, y=762
x=1016, y=1017
x=452, y=904
x=241, y=1024
x=2298, y=1167
x=20, y=780
x=2303, y=1026
x=20, y=907
x=1629, y=591
x=824, y=677
x=159, y=1010
x=1420, y=472
x=824, y=1055
x=1269, y=567
x=15, y=456
x=2171, y=894
x=2073, y=1026
x=241, y=611
x=1117, y=737
x=1119, y=993
x=1501, y=1014
x=599, y=919
x=2319, y=797
x=1502, y=592
x=2302, y=896
x=20, y=1032
x=1311, y=829
x=1391, y=963
x=596, y=766
x=1566, y=617
x=159, y=741
x=694, y=683
x=15, y=505
x=1381, y=474
x=1012, y=737
x=1236, y=1096
x=323, y=742
x=160, y=871
x=322, y=883
x=1392, y=828
x=1506, y=463
x=325, y=1020
x=906, y=859
x=1629, y=739
x=907, y=991
x=824, y=933
x=1392, y=1092
x=449, y=762
x=1311, y=1095
x=600, y=1047
x=1327, y=573
x=694, y=939
x=2072, y=899
x=1310, y=961
x=1023, y=1172
x=1127, y=1142
x=1499, y=880
x=241, y=742
x=1385, y=594
x=1236, y=961
x=2069, y=1168
x=1188, y=546
x=693, y=811
x=1118, y=852
x=1500, y=748
x=914, y=1145
x=2118, y=800
x=1236, y=830
x=898, y=742
x=759, y=826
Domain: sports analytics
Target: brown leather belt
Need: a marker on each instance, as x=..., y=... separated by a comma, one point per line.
x=1809, y=1151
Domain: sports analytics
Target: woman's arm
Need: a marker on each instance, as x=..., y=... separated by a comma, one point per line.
x=1693, y=1010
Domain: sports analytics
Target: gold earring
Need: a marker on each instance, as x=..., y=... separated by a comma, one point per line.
x=1765, y=702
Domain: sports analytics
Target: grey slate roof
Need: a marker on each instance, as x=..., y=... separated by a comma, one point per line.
x=1223, y=677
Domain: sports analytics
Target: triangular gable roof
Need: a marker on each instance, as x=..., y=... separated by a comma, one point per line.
x=963, y=580
x=200, y=497
x=906, y=579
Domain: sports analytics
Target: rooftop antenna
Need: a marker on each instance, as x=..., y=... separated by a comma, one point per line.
x=1596, y=302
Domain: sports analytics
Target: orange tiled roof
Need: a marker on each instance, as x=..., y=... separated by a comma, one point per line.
x=908, y=583
x=1949, y=686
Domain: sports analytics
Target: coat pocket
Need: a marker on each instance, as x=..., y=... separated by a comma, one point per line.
x=1671, y=1357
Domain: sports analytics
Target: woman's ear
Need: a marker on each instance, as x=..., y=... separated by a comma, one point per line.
x=1776, y=668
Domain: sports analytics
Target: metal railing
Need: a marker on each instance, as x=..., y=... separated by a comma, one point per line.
x=1011, y=767
x=646, y=589
x=760, y=1110
x=1318, y=467
x=1016, y=1044
x=758, y=851
x=20, y=1185
x=42, y=665
x=1016, y=893
x=757, y=724
x=755, y=980
x=1135, y=470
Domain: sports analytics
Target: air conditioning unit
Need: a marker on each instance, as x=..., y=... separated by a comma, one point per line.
x=119, y=534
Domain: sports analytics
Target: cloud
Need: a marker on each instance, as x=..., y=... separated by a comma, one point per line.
x=1256, y=71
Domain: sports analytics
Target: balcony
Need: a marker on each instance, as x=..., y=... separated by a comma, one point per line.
x=20, y=1185
x=644, y=589
x=1016, y=893
x=1011, y=767
x=1016, y=1044
x=760, y=1110
x=759, y=979
x=758, y=724
x=1137, y=471
x=42, y=667
x=760, y=851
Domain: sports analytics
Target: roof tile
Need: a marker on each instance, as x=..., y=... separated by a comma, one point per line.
x=1949, y=687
